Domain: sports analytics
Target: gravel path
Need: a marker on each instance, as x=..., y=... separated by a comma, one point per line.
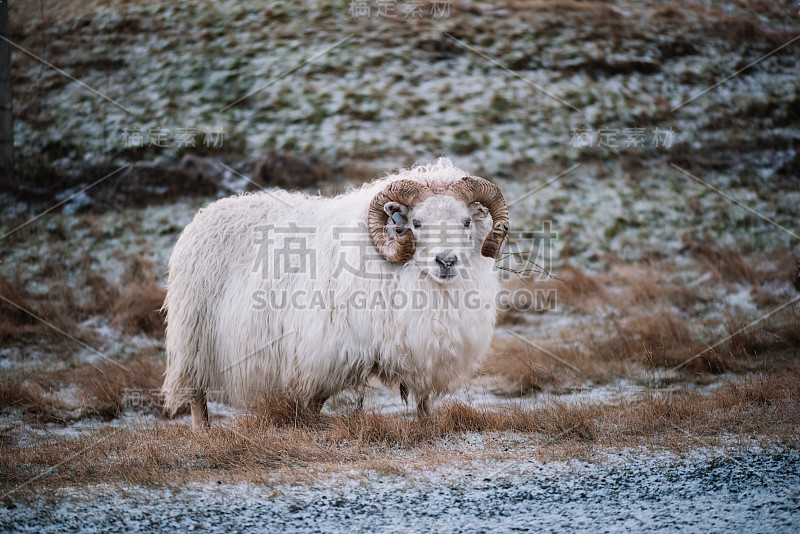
x=754, y=491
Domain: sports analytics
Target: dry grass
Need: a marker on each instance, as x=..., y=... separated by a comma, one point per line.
x=25, y=318
x=515, y=371
x=107, y=385
x=748, y=29
x=724, y=264
x=649, y=340
x=138, y=310
x=362, y=428
x=102, y=390
x=624, y=287
x=750, y=344
x=19, y=312
x=102, y=295
x=515, y=368
x=13, y=321
x=655, y=339
x=737, y=28
x=763, y=407
x=29, y=399
x=280, y=411
x=290, y=171
x=160, y=453
x=650, y=321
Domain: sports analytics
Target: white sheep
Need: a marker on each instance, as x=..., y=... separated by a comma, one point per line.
x=307, y=296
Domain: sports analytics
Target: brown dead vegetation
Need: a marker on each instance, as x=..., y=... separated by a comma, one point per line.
x=747, y=29
x=29, y=399
x=286, y=170
x=103, y=389
x=657, y=339
x=13, y=320
x=107, y=385
x=763, y=407
x=141, y=183
x=599, y=11
x=795, y=276
x=515, y=371
x=24, y=318
x=574, y=288
x=766, y=403
x=138, y=308
x=364, y=428
x=725, y=265
x=53, y=318
x=737, y=28
x=750, y=343
x=101, y=295
x=358, y=172
x=516, y=368
x=280, y=411
x=649, y=323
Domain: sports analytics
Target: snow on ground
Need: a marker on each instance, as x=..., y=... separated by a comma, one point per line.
x=631, y=490
x=393, y=94
x=402, y=91
x=478, y=394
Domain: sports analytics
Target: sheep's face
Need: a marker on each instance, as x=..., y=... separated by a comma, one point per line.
x=447, y=232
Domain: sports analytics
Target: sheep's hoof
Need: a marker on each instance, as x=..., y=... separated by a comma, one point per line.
x=315, y=404
x=200, y=420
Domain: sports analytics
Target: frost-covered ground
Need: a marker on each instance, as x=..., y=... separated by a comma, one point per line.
x=383, y=92
x=631, y=490
x=377, y=399
x=403, y=89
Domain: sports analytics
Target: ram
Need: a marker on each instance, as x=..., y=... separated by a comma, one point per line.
x=305, y=296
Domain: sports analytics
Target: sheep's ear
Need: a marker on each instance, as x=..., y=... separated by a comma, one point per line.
x=479, y=211
x=396, y=212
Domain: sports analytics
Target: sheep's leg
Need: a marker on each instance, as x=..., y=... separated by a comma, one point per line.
x=315, y=404
x=404, y=392
x=199, y=413
x=423, y=407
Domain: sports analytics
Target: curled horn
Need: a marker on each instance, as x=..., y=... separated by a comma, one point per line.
x=473, y=189
x=401, y=248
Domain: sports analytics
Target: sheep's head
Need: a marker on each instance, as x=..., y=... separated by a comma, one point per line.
x=438, y=228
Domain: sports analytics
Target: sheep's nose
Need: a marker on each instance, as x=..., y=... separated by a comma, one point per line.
x=448, y=258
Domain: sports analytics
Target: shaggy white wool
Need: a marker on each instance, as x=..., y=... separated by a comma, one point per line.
x=267, y=292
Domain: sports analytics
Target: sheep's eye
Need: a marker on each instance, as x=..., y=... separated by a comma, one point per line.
x=416, y=223
x=467, y=222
